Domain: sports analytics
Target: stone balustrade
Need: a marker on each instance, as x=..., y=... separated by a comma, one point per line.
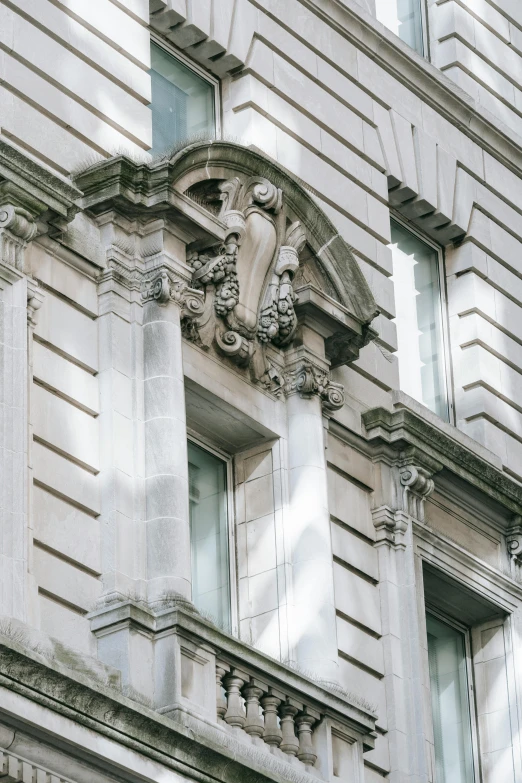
x=234, y=696
x=266, y=714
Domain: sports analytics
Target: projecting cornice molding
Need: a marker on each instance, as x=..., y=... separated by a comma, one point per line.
x=78, y=697
x=30, y=193
x=430, y=445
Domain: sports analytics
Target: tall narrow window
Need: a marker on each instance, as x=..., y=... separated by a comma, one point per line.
x=418, y=306
x=209, y=535
x=404, y=18
x=182, y=102
x=450, y=699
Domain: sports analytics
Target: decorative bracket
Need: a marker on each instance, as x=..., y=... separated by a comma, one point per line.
x=514, y=541
x=17, y=228
x=417, y=487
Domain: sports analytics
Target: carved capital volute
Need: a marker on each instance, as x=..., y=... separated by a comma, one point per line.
x=17, y=228
x=163, y=288
x=417, y=486
x=514, y=541
x=309, y=380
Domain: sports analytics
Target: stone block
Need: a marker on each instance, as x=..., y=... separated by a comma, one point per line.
x=70, y=331
x=262, y=592
x=64, y=528
x=69, y=627
x=260, y=545
x=72, y=382
x=68, y=480
x=356, y=552
x=357, y=598
x=259, y=497
x=65, y=428
x=350, y=504
x=360, y=646
x=66, y=582
x=128, y=34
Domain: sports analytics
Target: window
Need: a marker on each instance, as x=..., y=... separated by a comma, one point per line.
x=209, y=532
x=418, y=304
x=405, y=19
x=183, y=102
x=450, y=700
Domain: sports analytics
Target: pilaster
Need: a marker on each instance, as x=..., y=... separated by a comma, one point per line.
x=404, y=482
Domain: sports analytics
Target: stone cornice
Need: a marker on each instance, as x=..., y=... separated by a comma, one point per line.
x=421, y=77
x=405, y=430
x=144, y=191
x=33, y=187
x=175, y=744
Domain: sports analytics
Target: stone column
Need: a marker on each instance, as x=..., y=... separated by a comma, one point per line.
x=166, y=302
x=313, y=630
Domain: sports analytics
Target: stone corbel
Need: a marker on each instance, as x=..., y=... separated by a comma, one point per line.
x=417, y=486
x=309, y=380
x=17, y=229
x=514, y=541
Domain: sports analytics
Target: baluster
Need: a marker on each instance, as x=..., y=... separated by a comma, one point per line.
x=290, y=743
x=272, y=733
x=221, y=704
x=306, y=752
x=235, y=714
x=254, y=724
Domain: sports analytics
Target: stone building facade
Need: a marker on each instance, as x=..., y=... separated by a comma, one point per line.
x=260, y=365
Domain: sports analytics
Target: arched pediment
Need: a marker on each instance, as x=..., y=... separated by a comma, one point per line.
x=263, y=260
x=202, y=163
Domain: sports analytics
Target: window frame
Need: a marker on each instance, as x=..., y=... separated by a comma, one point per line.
x=424, y=32
x=199, y=70
x=447, y=369
x=207, y=445
x=468, y=651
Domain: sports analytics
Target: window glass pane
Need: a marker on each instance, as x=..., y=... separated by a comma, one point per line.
x=418, y=319
x=182, y=102
x=209, y=535
x=450, y=703
x=404, y=18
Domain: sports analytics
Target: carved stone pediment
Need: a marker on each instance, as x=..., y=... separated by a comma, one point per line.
x=267, y=262
x=267, y=277
x=248, y=279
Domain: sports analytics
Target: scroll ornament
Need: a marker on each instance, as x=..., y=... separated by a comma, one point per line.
x=309, y=380
x=17, y=228
x=163, y=289
x=418, y=486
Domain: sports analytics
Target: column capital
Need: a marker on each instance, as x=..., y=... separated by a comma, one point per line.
x=308, y=380
x=163, y=287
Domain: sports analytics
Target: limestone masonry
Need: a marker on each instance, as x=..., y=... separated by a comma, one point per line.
x=261, y=391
